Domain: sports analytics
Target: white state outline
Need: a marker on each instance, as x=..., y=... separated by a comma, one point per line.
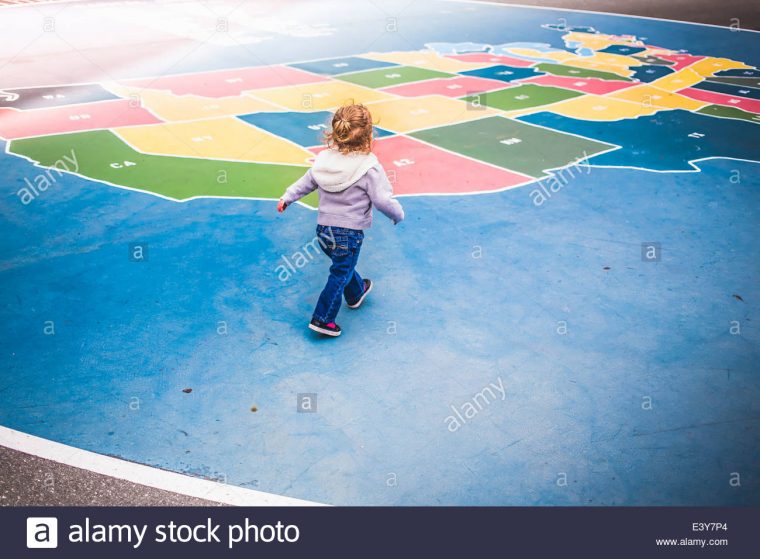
x=141, y=474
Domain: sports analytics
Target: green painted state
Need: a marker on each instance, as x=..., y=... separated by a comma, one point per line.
x=654, y=60
x=575, y=72
x=513, y=145
x=729, y=112
x=522, y=97
x=386, y=77
x=736, y=80
x=103, y=156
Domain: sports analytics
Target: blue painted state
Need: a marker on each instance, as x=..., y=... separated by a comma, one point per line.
x=648, y=73
x=730, y=89
x=625, y=50
x=503, y=73
x=342, y=65
x=629, y=377
x=304, y=129
x=739, y=73
x=665, y=141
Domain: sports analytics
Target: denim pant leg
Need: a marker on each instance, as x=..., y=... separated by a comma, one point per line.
x=343, y=249
x=354, y=288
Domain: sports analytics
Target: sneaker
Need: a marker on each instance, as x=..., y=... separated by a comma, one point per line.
x=326, y=328
x=367, y=289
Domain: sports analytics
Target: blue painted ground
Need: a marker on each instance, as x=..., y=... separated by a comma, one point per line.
x=469, y=291
x=504, y=73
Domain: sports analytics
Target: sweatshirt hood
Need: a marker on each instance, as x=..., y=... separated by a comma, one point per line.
x=334, y=171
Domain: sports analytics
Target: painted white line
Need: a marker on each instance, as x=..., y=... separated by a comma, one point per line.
x=144, y=475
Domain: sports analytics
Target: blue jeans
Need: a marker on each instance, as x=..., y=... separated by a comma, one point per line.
x=342, y=245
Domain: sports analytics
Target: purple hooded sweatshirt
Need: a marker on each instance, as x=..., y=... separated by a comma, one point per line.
x=348, y=186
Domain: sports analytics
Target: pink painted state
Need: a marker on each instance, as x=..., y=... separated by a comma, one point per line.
x=450, y=87
x=492, y=59
x=60, y=120
x=587, y=85
x=435, y=171
x=228, y=83
x=681, y=60
x=751, y=105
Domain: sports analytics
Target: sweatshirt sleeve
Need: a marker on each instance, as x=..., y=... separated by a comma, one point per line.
x=303, y=186
x=381, y=194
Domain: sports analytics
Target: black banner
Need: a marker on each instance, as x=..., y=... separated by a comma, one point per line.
x=641, y=533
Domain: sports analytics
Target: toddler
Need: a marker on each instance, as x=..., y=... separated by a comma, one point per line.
x=349, y=180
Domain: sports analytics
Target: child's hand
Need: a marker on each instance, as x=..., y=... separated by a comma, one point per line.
x=281, y=205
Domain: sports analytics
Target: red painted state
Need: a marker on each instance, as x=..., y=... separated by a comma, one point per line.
x=450, y=87
x=228, y=83
x=72, y=118
x=681, y=60
x=586, y=85
x=492, y=59
x=414, y=167
x=751, y=105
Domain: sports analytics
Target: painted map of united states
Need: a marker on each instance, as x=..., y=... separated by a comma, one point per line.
x=453, y=118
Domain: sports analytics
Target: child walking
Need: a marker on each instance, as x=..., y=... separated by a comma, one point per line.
x=349, y=180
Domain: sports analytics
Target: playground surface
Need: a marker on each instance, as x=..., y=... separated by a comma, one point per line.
x=568, y=315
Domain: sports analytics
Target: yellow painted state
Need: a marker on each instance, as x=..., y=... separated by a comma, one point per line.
x=600, y=108
x=653, y=96
x=319, y=96
x=426, y=59
x=708, y=66
x=558, y=56
x=224, y=138
x=404, y=115
x=593, y=41
x=678, y=80
x=172, y=107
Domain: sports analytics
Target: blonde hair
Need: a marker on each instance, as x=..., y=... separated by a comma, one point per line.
x=351, y=129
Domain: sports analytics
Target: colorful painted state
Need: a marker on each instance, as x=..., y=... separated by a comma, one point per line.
x=678, y=80
x=489, y=59
x=342, y=65
x=650, y=72
x=652, y=96
x=60, y=120
x=730, y=89
x=388, y=77
x=680, y=61
x=722, y=111
x=415, y=113
x=666, y=142
x=304, y=129
x=103, y=156
x=653, y=60
x=739, y=72
x=321, y=96
x=172, y=107
x=448, y=87
x=520, y=97
x=415, y=168
x=58, y=96
x=623, y=50
x=504, y=73
x=427, y=59
x=226, y=138
x=709, y=65
x=749, y=105
x=228, y=83
x=576, y=72
x=513, y=145
x=740, y=81
x=584, y=85
x=600, y=108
